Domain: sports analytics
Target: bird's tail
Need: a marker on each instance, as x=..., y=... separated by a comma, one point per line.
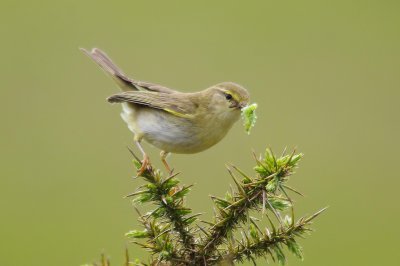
x=125, y=83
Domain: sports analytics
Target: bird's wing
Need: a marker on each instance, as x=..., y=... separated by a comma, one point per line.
x=124, y=82
x=152, y=86
x=172, y=103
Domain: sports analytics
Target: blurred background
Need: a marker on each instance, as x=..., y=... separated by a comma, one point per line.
x=326, y=76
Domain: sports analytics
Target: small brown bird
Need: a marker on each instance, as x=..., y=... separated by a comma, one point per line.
x=173, y=121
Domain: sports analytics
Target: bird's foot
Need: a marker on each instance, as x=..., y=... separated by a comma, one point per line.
x=145, y=165
x=164, y=155
x=169, y=170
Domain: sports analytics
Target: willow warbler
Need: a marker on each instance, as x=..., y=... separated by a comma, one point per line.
x=173, y=121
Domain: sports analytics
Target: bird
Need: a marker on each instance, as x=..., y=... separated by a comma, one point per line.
x=173, y=121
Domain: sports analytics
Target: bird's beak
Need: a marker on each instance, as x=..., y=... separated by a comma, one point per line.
x=238, y=105
x=242, y=105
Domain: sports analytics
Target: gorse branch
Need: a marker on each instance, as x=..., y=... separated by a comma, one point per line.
x=170, y=215
x=262, y=244
x=172, y=236
x=260, y=192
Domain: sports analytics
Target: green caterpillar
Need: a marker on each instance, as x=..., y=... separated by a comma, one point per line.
x=249, y=116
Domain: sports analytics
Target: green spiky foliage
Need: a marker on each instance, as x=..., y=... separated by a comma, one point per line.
x=173, y=235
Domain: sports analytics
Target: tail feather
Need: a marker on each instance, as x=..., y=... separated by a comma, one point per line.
x=101, y=58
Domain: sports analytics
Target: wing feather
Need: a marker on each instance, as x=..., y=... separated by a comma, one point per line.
x=172, y=103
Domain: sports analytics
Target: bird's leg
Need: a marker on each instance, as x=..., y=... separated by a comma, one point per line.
x=164, y=155
x=145, y=161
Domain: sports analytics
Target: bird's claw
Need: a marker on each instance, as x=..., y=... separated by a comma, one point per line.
x=145, y=166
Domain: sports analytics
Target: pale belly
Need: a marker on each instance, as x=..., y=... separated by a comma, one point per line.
x=171, y=133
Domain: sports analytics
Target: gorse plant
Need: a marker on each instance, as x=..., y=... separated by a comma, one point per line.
x=175, y=236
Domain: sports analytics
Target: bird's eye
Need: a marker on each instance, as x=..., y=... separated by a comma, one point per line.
x=228, y=97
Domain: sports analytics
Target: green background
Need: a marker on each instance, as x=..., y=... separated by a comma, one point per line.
x=326, y=76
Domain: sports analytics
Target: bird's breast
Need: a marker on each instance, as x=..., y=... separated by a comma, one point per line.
x=176, y=134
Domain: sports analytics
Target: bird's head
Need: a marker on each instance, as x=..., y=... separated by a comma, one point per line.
x=226, y=99
x=229, y=96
